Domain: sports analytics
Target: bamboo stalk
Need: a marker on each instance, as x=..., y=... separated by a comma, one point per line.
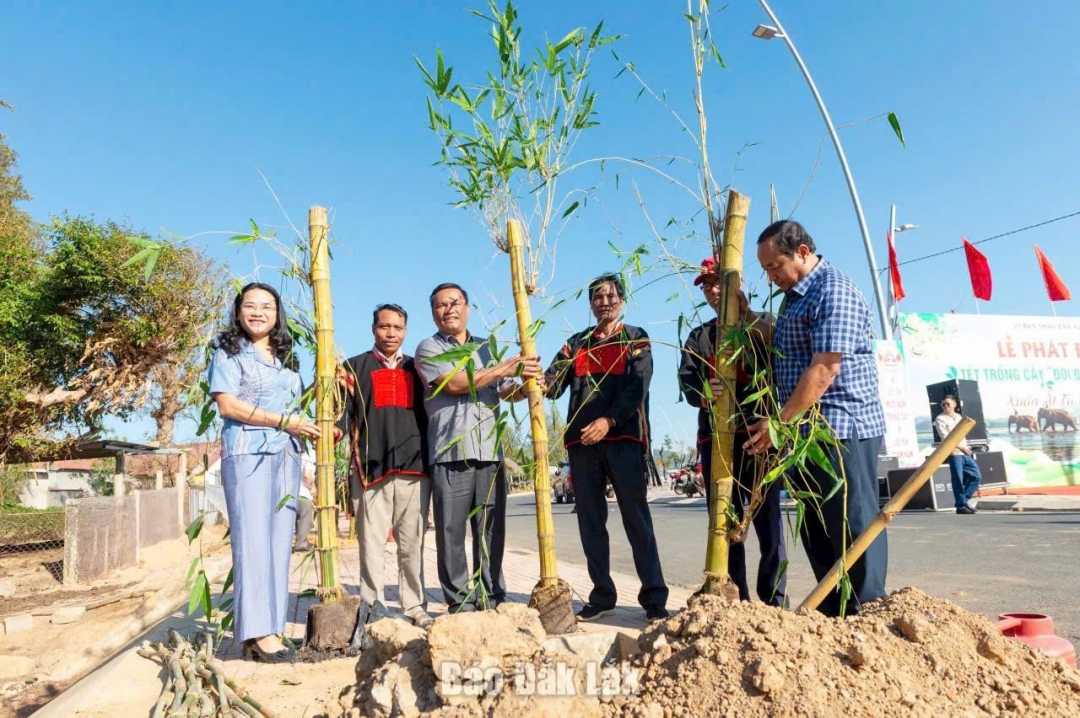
x=722, y=478
x=887, y=514
x=325, y=382
x=545, y=525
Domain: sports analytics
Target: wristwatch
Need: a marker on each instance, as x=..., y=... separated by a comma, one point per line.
x=611, y=422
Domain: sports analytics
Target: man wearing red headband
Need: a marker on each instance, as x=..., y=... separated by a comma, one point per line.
x=696, y=371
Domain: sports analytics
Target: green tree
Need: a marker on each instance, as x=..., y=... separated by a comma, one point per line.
x=84, y=331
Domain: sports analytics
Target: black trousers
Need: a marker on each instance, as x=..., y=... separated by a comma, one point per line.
x=458, y=489
x=768, y=524
x=823, y=532
x=623, y=464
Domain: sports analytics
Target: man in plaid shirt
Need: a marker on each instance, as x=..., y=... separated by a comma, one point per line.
x=825, y=356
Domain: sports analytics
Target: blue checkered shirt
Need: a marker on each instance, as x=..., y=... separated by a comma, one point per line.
x=825, y=313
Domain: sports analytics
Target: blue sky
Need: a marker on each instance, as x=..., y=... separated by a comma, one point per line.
x=163, y=116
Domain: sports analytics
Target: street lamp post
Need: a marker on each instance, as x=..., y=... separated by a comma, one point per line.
x=767, y=32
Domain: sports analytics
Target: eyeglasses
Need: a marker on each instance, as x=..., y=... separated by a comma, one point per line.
x=446, y=306
x=249, y=308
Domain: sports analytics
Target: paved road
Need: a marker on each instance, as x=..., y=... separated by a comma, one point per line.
x=989, y=563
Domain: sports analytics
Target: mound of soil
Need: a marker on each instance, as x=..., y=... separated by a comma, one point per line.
x=911, y=655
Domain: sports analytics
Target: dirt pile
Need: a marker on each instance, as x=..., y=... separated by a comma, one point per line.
x=493, y=663
x=909, y=656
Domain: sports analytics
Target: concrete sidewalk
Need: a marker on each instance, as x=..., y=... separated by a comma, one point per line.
x=96, y=695
x=1029, y=502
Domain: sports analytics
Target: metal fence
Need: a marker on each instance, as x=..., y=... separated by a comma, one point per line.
x=29, y=530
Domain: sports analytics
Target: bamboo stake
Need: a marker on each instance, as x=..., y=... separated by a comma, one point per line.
x=729, y=268
x=325, y=383
x=888, y=513
x=545, y=525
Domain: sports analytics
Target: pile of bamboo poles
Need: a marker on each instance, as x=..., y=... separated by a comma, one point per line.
x=195, y=683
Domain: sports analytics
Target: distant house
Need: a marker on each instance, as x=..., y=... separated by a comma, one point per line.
x=47, y=486
x=52, y=483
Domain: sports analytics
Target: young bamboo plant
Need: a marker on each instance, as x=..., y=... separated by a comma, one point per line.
x=537, y=109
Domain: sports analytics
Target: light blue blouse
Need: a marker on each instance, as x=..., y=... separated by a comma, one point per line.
x=250, y=377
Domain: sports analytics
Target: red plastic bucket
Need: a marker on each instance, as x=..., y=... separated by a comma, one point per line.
x=1037, y=631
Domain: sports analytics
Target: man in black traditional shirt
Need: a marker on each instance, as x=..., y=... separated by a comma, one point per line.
x=607, y=369
x=389, y=482
x=696, y=371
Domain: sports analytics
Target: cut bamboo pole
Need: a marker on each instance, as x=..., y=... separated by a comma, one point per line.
x=325, y=384
x=551, y=597
x=545, y=523
x=722, y=478
x=888, y=512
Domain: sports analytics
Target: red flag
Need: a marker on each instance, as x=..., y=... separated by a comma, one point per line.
x=982, y=284
x=1054, y=286
x=894, y=271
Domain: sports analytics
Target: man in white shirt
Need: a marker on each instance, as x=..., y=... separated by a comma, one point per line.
x=965, y=472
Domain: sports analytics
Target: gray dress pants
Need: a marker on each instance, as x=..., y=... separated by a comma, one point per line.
x=470, y=493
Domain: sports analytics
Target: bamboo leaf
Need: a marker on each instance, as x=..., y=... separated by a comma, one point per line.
x=143, y=242
x=242, y=239
x=570, y=210
x=197, y=591
x=450, y=374
x=206, y=418
x=191, y=572
x=139, y=256
x=204, y=595
x=228, y=583
x=821, y=459
x=428, y=79
x=595, y=37
x=894, y=122
x=150, y=264
x=284, y=500
x=572, y=38
x=716, y=55
x=193, y=529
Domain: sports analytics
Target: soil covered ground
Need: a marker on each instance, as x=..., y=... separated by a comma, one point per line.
x=911, y=655
x=38, y=664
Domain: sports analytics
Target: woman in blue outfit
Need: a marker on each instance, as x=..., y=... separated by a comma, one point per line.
x=253, y=378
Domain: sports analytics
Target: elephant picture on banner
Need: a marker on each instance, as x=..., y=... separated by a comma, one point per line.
x=1024, y=421
x=1052, y=417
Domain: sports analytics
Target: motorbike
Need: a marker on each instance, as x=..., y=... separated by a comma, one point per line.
x=689, y=482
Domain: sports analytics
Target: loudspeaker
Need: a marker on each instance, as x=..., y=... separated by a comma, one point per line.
x=935, y=495
x=966, y=392
x=885, y=464
x=992, y=466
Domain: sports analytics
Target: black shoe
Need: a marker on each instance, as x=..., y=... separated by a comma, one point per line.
x=965, y=510
x=591, y=612
x=655, y=613
x=252, y=652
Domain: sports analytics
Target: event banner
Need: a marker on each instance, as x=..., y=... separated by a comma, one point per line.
x=1028, y=370
x=901, y=440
